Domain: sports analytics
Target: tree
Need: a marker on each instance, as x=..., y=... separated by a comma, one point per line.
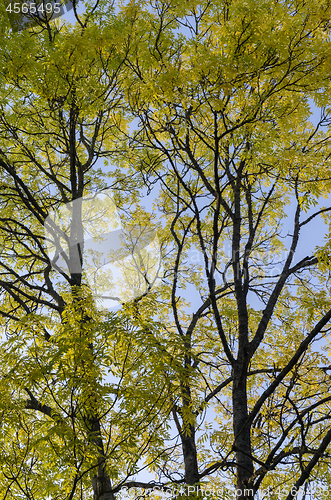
x=225, y=134
x=218, y=378
x=70, y=420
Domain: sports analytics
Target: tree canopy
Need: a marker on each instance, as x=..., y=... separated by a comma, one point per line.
x=212, y=376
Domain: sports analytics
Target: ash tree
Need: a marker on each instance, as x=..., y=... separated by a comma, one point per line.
x=239, y=172
x=72, y=425
x=216, y=376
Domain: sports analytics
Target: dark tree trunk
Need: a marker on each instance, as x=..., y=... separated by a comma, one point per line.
x=187, y=431
x=242, y=438
x=190, y=456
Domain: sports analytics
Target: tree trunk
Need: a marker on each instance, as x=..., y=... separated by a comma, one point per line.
x=101, y=484
x=187, y=432
x=190, y=456
x=242, y=438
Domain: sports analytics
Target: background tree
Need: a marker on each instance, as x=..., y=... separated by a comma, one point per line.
x=71, y=424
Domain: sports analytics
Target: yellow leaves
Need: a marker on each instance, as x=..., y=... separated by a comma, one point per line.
x=216, y=100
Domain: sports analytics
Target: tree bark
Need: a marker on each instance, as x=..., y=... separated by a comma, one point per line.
x=187, y=431
x=190, y=456
x=102, y=489
x=242, y=437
